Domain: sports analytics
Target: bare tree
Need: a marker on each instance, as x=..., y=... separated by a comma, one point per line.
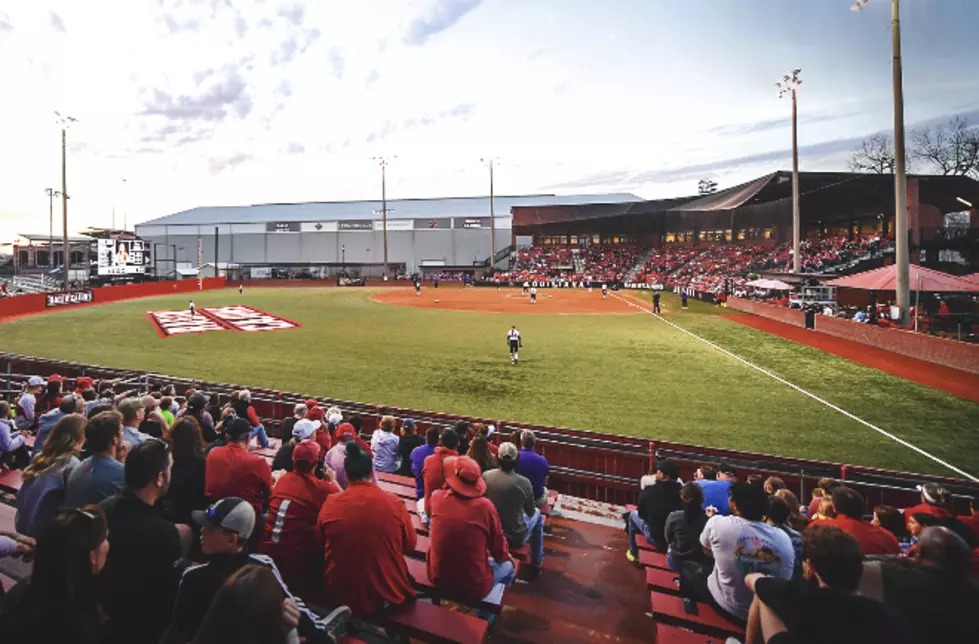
x=706, y=186
x=875, y=155
x=951, y=148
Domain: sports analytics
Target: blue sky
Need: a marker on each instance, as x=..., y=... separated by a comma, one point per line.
x=209, y=102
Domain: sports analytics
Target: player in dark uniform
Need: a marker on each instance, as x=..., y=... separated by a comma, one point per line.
x=656, y=302
x=683, y=299
x=418, y=286
x=514, y=342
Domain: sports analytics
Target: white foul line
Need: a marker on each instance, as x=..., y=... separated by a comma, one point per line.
x=804, y=392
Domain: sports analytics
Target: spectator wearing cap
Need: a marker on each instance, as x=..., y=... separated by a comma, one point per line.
x=132, y=416
x=298, y=413
x=282, y=461
x=365, y=533
x=42, y=491
x=83, y=383
x=187, y=476
x=102, y=474
x=70, y=404
x=225, y=529
x=469, y=554
x=850, y=508
x=242, y=404
x=716, y=492
x=322, y=436
x=146, y=550
x=797, y=610
x=738, y=543
x=513, y=497
x=153, y=424
x=934, y=500
x=655, y=504
x=433, y=471
x=337, y=455
x=289, y=536
x=13, y=449
x=25, y=418
x=418, y=456
x=533, y=466
x=232, y=470
x=384, y=444
x=933, y=594
x=463, y=429
x=412, y=436
x=196, y=407
x=50, y=398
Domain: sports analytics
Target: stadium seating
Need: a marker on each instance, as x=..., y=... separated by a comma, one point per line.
x=670, y=609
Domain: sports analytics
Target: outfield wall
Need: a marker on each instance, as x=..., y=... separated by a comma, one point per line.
x=795, y=317
x=36, y=304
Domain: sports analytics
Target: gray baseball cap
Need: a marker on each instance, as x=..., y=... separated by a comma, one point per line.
x=232, y=514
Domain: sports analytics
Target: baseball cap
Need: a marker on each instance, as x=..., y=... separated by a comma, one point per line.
x=346, y=430
x=669, y=468
x=463, y=475
x=307, y=451
x=305, y=428
x=84, y=382
x=316, y=414
x=310, y=404
x=197, y=401
x=724, y=468
x=56, y=378
x=130, y=405
x=409, y=423
x=36, y=381
x=239, y=427
x=232, y=514
x=508, y=450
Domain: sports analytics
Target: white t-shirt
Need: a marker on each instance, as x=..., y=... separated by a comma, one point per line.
x=742, y=547
x=533, y=290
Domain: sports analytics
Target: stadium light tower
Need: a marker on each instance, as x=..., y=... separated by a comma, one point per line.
x=902, y=257
x=65, y=122
x=491, y=162
x=788, y=85
x=383, y=162
x=52, y=193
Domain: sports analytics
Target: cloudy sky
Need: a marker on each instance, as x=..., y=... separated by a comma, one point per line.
x=211, y=102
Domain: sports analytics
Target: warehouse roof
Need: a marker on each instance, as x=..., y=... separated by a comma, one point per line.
x=397, y=209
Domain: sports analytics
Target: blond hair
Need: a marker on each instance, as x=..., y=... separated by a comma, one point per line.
x=68, y=433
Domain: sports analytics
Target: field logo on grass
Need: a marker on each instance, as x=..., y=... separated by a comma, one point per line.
x=168, y=323
x=245, y=318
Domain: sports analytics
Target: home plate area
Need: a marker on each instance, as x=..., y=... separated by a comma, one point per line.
x=225, y=318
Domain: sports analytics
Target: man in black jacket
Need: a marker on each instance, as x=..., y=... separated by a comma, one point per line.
x=655, y=503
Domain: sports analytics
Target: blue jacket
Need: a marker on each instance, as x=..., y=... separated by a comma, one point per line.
x=418, y=456
x=44, y=426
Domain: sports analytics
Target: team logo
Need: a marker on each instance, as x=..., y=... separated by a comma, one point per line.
x=225, y=318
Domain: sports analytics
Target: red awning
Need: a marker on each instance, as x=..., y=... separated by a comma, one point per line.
x=884, y=279
x=973, y=278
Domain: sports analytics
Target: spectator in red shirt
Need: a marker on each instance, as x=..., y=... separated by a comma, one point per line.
x=232, y=471
x=465, y=529
x=242, y=404
x=432, y=471
x=934, y=500
x=850, y=508
x=365, y=533
x=971, y=519
x=290, y=530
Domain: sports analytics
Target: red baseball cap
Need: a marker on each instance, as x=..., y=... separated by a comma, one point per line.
x=316, y=413
x=56, y=378
x=346, y=430
x=84, y=382
x=307, y=452
x=311, y=403
x=463, y=475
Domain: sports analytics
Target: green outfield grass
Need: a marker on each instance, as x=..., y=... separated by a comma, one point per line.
x=622, y=374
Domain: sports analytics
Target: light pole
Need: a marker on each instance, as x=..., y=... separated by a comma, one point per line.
x=789, y=84
x=902, y=256
x=343, y=259
x=65, y=122
x=383, y=162
x=491, y=161
x=52, y=193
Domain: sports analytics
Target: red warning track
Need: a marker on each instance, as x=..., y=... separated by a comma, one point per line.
x=952, y=381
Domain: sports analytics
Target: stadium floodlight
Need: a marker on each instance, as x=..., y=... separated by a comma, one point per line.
x=491, y=162
x=902, y=251
x=787, y=87
x=383, y=162
x=51, y=193
x=65, y=122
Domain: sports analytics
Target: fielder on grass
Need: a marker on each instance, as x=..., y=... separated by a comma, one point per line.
x=193, y=309
x=514, y=342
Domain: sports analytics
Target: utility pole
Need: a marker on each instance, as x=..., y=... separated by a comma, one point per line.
x=383, y=162
x=65, y=122
x=490, y=161
x=52, y=193
x=790, y=83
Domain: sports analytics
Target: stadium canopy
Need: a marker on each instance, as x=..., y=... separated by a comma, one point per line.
x=631, y=216
x=884, y=279
x=973, y=278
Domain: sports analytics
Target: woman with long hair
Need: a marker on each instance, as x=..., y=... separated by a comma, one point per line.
x=479, y=451
x=43, y=488
x=186, y=492
x=60, y=602
x=683, y=528
x=797, y=521
x=250, y=608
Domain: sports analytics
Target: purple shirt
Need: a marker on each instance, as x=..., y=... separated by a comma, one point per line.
x=334, y=460
x=535, y=468
x=418, y=456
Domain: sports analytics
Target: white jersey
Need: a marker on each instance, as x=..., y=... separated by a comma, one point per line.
x=533, y=290
x=513, y=335
x=604, y=287
x=526, y=284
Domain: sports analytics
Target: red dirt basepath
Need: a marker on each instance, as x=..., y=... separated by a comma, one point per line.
x=550, y=301
x=952, y=381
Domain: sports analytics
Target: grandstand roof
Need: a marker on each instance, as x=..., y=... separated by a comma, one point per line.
x=397, y=209
x=884, y=279
x=537, y=215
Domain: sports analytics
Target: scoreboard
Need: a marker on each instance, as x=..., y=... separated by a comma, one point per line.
x=119, y=258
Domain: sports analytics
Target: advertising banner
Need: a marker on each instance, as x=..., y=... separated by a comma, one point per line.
x=351, y=281
x=67, y=298
x=360, y=226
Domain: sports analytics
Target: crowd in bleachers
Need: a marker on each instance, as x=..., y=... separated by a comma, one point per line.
x=160, y=517
x=753, y=554
x=597, y=263
x=541, y=263
x=609, y=263
x=664, y=261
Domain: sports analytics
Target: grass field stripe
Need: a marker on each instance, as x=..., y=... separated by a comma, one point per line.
x=807, y=393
